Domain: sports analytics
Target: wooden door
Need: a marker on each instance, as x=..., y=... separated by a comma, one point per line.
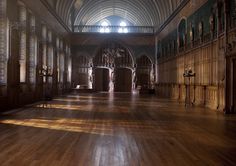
x=123, y=80
x=143, y=79
x=102, y=79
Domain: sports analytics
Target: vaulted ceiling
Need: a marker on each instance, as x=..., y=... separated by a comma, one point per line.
x=138, y=12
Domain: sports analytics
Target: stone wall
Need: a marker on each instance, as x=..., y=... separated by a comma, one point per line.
x=27, y=56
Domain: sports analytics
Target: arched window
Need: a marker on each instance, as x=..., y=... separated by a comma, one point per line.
x=123, y=28
x=105, y=27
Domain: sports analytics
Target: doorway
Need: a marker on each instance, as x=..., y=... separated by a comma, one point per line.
x=123, y=80
x=101, y=79
x=82, y=79
x=143, y=78
x=144, y=67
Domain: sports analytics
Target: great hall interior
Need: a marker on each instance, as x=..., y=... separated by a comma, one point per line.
x=117, y=82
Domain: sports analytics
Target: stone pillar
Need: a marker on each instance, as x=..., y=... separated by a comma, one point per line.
x=55, y=71
x=13, y=67
x=13, y=81
x=156, y=52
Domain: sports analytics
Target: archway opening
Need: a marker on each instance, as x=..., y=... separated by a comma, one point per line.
x=119, y=62
x=123, y=80
x=82, y=73
x=144, y=69
x=102, y=79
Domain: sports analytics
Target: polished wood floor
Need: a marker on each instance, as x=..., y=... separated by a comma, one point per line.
x=116, y=130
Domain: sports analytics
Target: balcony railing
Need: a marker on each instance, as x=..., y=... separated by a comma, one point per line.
x=113, y=29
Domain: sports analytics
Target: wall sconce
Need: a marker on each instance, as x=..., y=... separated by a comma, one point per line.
x=189, y=73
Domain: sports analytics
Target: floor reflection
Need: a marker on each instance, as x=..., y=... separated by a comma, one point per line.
x=117, y=129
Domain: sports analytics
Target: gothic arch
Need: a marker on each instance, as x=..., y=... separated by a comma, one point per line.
x=144, y=72
x=82, y=72
x=144, y=57
x=118, y=60
x=112, y=54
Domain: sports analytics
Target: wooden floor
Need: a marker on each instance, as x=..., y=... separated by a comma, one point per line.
x=116, y=130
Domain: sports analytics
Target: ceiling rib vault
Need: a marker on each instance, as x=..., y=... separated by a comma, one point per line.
x=138, y=12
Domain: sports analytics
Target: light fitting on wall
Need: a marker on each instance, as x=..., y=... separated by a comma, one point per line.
x=189, y=73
